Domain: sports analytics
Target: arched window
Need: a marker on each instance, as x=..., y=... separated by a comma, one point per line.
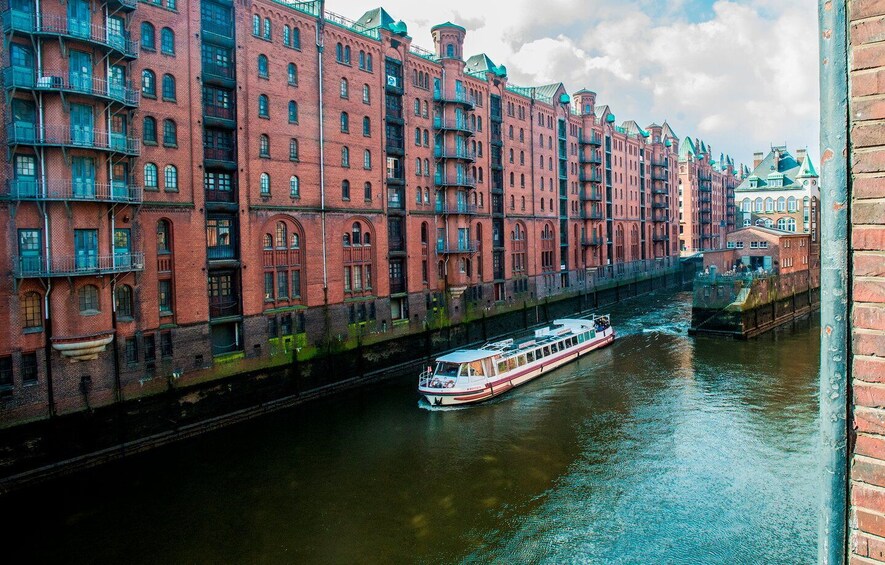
x=417, y=136
x=32, y=312
x=362, y=59
x=345, y=122
x=781, y=204
x=369, y=62
x=149, y=130
x=267, y=29
x=293, y=149
x=262, y=66
x=345, y=157
x=745, y=205
x=356, y=230
x=148, y=39
x=256, y=25
x=512, y=177
x=293, y=112
x=417, y=167
x=367, y=126
x=267, y=242
x=367, y=159
x=263, y=106
x=450, y=50
x=791, y=204
x=167, y=41
x=287, y=35
x=150, y=177
x=88, y=299
x=170, y=133
x=769, y=205
x=294, y=187
x=339, y=52
x=169, y=90
x=782, y=224
x=296, y=38
x=366, y=94
x=791, y=224
x=426, y=167
x=345, y=189
x=367, y=192
x=347, y=54
x=264, y=182
x=123, y=301
x=164, y=237
x=758, y=204
x=148, y=83
x=296, y=241
x=292, y=74
x=480, y=175
x=280, y=236
x=344, y=89
x=170, y=178
x=263, y=146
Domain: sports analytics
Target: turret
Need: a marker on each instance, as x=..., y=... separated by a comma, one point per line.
x=448, y=39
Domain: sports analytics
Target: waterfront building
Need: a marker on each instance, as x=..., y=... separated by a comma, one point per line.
x=195, y=189
x=759, y=248
x=706, y=197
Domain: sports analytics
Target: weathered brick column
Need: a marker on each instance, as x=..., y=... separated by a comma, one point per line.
x=866, y=36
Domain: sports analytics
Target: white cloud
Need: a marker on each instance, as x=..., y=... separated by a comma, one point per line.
x=742, y=76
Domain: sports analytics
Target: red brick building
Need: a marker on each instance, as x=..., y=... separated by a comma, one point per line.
x=706, y=197
x=757, y=247
x=195, y=188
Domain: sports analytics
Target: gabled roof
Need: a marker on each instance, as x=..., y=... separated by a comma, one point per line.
x=787, y=168
x=376, y=18
x=807, y=170
x=668, y=131
x=448, y=24
x=547, y=92
x=770, y=231
x=687, y=149
x=632, y=128
x=601, y=111
x=481, y=64
x=652, y=126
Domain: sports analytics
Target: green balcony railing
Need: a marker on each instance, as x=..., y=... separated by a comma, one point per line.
x=66, y=28
x=68, y=136
x=74, y=191
x=61, y=81
x=81, y=264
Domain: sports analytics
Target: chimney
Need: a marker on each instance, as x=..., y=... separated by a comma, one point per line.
x=800, y=155
x=777, y=159
x=757, y=158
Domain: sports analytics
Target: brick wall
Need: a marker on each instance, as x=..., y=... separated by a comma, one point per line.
x=866, y=90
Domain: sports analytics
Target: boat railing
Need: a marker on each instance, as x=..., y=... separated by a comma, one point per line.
x=425, y=377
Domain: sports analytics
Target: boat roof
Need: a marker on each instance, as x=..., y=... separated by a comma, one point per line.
x=467, y=355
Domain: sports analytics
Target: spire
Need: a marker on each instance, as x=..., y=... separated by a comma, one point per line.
x=807, y=170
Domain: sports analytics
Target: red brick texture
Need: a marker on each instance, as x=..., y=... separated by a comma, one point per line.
x=867, y=135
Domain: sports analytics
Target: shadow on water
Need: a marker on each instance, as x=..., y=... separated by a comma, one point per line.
x=660, y=448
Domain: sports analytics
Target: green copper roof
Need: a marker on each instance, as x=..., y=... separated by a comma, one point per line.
x=687, y=149
x=448, y=24
x=786, y=172
x=807, y=169
x=667, y=131
x=376, y=18
x=632, y=128
x=481, y=64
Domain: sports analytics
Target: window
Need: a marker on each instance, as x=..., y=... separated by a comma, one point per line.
x=148, y=83
x=366, y=94
x=131, y=350
x=263, y=146
x=293, y=112
x=267, y=29
x=367, y=159
x=29, y=368
x=292, y=74
x=345, y=190
x=345, y=157
x=6, y=382
x=294, y=188
x=347, y=54
x=256, y=25
x=367, y=126
x=150, y=176
x=123, y=301
x=169, y=88
x=170, y=178
x=296, y=38
x=293, y=149
x=344, y=89
x=148, y=39
x=362, y=60
x=166, y=344
x=263, y=106
x=369, y=62
x=32, y=312
x=170, y=134
x=264, y=184
x=450, y=50
x=287, y=35
x=88, y=299
x=339, y=52
x=164, y=295
x=164, y=241
x=167, y=41
x=262, y=66
x=367, y=192
x=345, y=122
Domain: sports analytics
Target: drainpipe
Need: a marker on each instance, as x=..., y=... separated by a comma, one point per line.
x=47, y=349
x=835, y=284
x=319, y=44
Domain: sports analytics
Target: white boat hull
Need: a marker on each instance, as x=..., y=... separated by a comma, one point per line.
x=455, y=397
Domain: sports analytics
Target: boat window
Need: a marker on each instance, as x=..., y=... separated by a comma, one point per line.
x=531, y=356
x=555, y=347
x=476, y=368
x=581, y=338
x=521, y=360
x=447, y=369
x=572, y=342
x=546, y=350
x=502, y=367
x=511, y=363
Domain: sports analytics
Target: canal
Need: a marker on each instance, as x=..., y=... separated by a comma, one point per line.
x=662, y=448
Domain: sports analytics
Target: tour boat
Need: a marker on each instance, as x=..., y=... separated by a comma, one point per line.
x=474, y=375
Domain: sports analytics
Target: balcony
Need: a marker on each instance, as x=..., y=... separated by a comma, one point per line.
x=219, y=30
x=77, y=265
x=221, y=253
x=705, y=187
x=595, y=176
x=658, y=189
x=659, y=205
x=124, y=5
x=705, y=219
x=68, y=136
x=453, y=124
x=27, y=78
x=463, y=181
x=224, y=306
x=397, y=285
x=460, y=208
x=659, y=175
x=591, y=195
x=460, y=247
x=593, y=159
x=461, y=153
x=65, y=190
x=395, y=146
x=658, y=163
x=65, y=28
x=458, y=97
x=660, y=237
x=592, y=214
x=220, y=157
x=593, y=139
x=592, y=241
x=224, y=75
x=223, y=196
x=705, y=199
x=220, y=115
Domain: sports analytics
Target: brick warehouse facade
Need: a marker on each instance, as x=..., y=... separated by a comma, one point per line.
x=195, y=188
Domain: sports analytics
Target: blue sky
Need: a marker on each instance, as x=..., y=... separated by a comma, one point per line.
x=739, y=74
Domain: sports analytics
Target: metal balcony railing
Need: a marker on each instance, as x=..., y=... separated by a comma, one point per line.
x=49, y=25
x=594, y=139
x=220, y=112
x=72, y=136
x=591, y=195
x=61, y=81
x=465, y=181
x=453, y=124
x=446, y=208
x=447, y=248
x=76, y=191
x=82, y=264
x=592, y=159
x=595, y=176
x=457, y=97
x=592, y=241
x=223, y=306
x=454, y=153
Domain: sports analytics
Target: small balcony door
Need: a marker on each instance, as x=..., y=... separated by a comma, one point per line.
x=30, y=250
x=22, y=14
x=82, y=125
x=86, y=249
x=79, y=18
x=122, y=247
x=117, y=82
x=116, y=32
x=24, y=120
x=22, y=59
x=120, y=181
x=25, y=176
x=119, y=129
x=83, y=177
x=80, y=71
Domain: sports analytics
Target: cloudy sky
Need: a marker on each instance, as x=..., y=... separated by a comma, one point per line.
x=740, y=74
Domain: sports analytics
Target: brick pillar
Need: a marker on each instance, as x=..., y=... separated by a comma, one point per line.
x=866, y=36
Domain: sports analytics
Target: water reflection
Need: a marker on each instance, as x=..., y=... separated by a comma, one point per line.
x=660, y=448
